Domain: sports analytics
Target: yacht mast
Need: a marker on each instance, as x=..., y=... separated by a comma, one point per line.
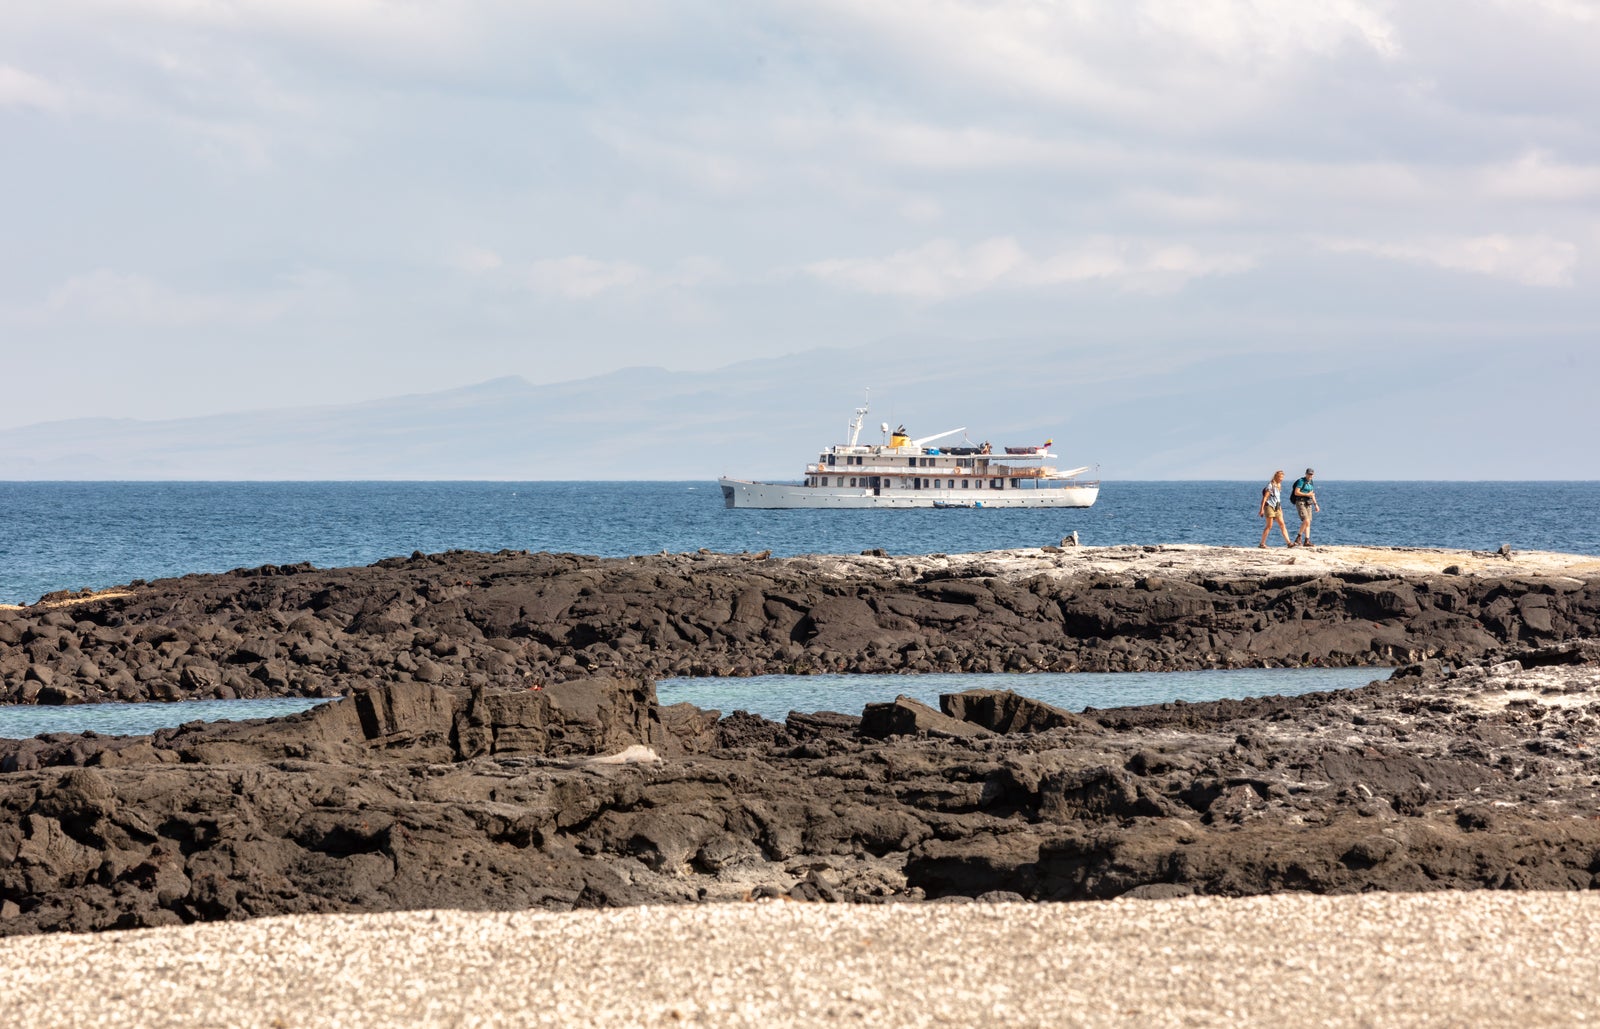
x=861, y=414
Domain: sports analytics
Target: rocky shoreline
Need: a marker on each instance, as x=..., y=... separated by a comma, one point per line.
x=513, y=618
x=456, y=783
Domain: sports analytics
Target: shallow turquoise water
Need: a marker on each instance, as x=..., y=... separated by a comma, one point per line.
x=774, y=696
x=20, y=723
x=771, y=696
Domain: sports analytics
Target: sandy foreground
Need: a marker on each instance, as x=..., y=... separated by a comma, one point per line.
x=1377, y=959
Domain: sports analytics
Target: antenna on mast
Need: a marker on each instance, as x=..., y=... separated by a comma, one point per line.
x=861, y=414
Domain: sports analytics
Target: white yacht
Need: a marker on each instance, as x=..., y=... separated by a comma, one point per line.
x=906, y=472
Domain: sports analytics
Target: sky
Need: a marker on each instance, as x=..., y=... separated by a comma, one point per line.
x=223, y=205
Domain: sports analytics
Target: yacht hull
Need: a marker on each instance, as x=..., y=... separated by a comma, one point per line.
x=743, y=493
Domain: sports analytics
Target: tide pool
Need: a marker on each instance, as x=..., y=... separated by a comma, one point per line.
x=774, y=696
x=20, y=723
x=770, y=696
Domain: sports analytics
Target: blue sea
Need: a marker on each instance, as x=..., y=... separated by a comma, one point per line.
x=91, y=535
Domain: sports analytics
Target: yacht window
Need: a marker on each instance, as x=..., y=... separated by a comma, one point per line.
x=965, y=483
x=852, y=480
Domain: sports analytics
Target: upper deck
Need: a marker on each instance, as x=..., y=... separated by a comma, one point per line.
x=890, y=460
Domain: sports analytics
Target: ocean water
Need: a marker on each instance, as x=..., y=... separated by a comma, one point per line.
x=91, y=535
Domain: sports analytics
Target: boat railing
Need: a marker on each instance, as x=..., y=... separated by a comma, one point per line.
x=993, y=471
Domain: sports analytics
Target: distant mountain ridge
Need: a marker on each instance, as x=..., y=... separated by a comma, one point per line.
x=1139, y=412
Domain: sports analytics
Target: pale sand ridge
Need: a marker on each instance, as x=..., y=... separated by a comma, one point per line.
x=1485, y=958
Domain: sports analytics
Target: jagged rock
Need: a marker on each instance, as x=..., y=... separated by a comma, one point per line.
x=688, y=729
x=803, y=725
x=579, y=717
x=906, y=716
x=1003, y=711
x=59, y=695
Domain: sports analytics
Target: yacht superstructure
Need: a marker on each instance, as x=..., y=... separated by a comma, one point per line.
x=902, y=472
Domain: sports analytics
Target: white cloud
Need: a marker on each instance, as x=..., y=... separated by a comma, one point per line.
x=1154, y=60
x=577, y=277
x=582, y=278
x=1537, y=175
x=20, y=89
x=1583, y=11
x=1530, y=260
x=942, y=268
x=362, y=24
x=1185, y=207
x=1250, y=30
x=118, y=298
x=930, y=145
x=707, y=156
x=475, y=260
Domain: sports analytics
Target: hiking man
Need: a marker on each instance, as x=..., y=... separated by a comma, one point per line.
x=1304, y=495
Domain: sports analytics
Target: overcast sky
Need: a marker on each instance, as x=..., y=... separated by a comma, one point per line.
x=218, y=205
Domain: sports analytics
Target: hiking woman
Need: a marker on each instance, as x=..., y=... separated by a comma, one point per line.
x=1272, y=509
